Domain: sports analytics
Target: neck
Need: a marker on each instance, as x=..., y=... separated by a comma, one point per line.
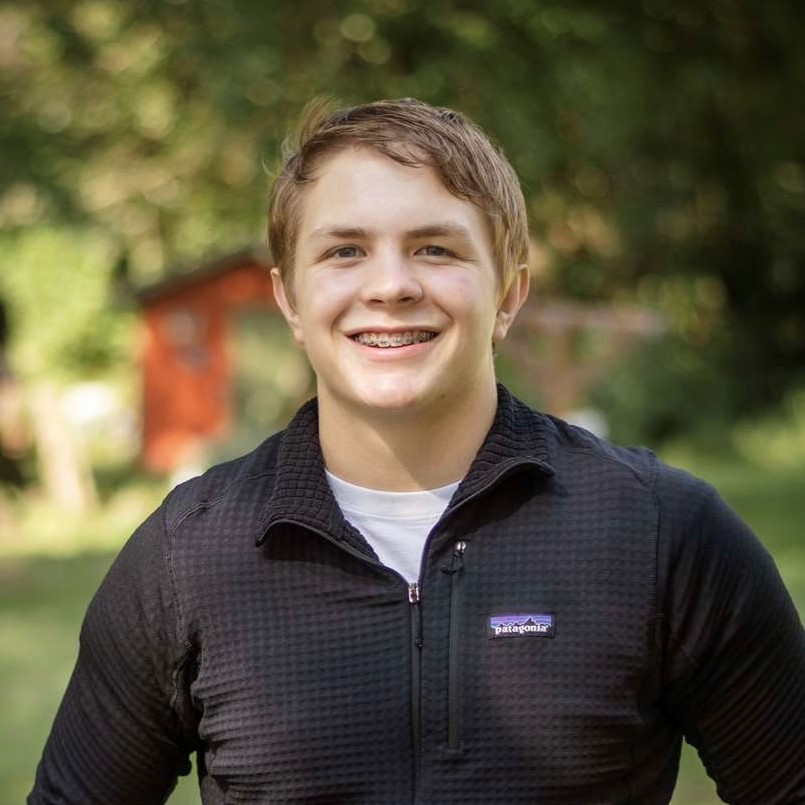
x=405, y=452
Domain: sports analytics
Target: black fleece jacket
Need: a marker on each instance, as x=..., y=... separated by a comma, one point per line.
x=580, y=608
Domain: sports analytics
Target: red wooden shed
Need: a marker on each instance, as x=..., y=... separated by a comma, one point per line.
x=217, y=362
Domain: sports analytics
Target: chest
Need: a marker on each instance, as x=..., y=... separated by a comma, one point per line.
x=523, y=654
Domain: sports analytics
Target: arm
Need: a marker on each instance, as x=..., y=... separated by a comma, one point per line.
x=123, y=732
x=734, y=650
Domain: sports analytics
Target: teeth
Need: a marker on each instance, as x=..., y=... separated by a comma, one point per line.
x=386, y=340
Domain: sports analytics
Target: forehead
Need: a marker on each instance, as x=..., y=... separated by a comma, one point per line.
x=362, y=187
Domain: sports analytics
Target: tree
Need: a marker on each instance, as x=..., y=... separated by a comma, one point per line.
x=661, y=145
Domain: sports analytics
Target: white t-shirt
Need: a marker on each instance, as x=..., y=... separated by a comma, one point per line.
x=395, y=524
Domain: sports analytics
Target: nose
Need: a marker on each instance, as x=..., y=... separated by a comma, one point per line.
x=390, y=279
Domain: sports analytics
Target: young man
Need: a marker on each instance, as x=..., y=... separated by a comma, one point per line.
x=423, y=591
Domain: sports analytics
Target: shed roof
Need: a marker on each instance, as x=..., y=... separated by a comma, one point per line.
x=200, y=272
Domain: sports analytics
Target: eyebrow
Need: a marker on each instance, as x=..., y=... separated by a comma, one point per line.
x=340, y=232
x=439, y=230
x=428, y=231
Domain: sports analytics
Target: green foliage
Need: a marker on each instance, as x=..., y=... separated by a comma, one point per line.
x=661, y=144
x=776, y=441
x=56, y=283
x=646, y=402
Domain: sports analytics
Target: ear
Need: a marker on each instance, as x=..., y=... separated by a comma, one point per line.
x=511, y=302
x=286, y=306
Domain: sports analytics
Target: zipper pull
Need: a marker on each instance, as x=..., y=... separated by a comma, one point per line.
x=413, y=593
x=457, y=559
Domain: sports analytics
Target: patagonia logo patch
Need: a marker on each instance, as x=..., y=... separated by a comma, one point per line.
x=528, y=624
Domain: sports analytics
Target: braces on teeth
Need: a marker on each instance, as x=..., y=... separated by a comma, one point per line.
x=393, y=339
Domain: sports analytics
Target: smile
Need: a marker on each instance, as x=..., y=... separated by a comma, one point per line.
x=389, y=340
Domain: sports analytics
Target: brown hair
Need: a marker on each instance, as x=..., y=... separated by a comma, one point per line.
x=412, y=133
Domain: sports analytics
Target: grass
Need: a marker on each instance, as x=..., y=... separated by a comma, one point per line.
x=42, y=601
x=45, y=590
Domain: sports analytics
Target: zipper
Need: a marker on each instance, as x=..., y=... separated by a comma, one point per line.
x=416, y=673
x=454, y=569
x=415, y=619
x=453, y=692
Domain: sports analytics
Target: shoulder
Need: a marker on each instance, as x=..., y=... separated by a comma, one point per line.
x=575, y=451
x=677, y=493
x=692, y=518
x=148, y=556
x=180, y=546
x=204, y=515
x=230, y=485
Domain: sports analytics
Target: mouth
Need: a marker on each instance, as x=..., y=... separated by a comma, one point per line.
x=394, y=340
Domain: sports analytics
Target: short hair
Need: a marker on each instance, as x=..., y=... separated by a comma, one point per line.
x=411, y=133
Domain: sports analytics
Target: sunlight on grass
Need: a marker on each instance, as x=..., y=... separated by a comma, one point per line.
x=42, y=601
x=41, y=527
x=694, y=787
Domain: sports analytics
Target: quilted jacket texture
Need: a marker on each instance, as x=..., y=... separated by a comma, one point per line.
x=580, y=608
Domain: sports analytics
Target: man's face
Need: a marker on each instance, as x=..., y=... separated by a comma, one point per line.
x=395, y=290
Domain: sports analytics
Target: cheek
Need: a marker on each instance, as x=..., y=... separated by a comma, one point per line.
x=471, y=299
x=321, y=306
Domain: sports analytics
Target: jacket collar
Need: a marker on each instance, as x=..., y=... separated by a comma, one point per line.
x=518, y=439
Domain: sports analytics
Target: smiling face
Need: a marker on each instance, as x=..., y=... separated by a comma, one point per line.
x=395, y=293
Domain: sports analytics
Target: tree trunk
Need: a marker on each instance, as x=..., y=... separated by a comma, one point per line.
x=63, y=464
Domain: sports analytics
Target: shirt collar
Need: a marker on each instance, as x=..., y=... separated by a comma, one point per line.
x=518, y=439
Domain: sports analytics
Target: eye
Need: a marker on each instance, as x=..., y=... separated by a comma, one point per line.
x=435, y=251
x=345, y=252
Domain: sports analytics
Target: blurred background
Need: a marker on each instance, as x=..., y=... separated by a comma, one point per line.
x=661, y=146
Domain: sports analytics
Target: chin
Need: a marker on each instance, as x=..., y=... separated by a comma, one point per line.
x=391, y=398
x=391, y=403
